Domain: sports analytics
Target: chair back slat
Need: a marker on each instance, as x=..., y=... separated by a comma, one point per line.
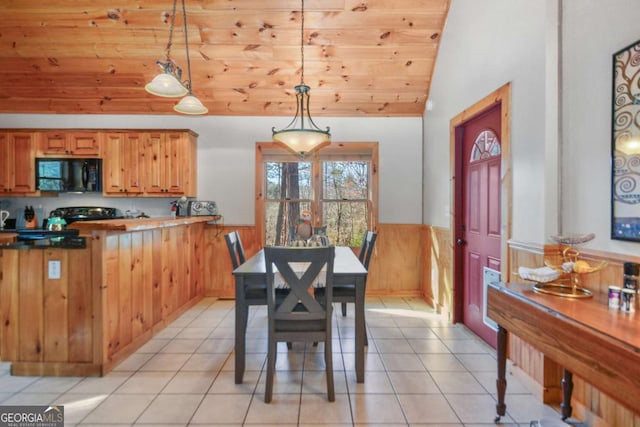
x=299, y=304
x=366, y=250
x=236, y=251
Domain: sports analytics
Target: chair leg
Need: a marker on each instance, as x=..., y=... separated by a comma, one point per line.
x=366, y=340
x=328, y=361
x=246, y=319
x=271, y=367
x=344, y=309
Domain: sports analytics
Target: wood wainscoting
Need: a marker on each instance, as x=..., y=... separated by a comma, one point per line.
x=397, y=266
x=437, y=282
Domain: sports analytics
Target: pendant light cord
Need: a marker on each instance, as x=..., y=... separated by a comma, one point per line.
x=302, y=45
x=173, y=21
x=186, y=44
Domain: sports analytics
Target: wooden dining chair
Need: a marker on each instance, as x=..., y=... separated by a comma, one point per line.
x=236, y=251
x=255, y=292
x=299, y=316
x=347, y=293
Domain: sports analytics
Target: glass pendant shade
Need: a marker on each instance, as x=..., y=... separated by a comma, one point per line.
x=190, y=105
x=166, y=85
x=302, y=141
x=295, y=136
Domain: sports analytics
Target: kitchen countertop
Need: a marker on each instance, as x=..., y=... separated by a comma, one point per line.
x=139, y=224
x=8, y=237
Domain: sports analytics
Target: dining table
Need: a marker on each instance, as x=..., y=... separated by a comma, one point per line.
x=347, y=269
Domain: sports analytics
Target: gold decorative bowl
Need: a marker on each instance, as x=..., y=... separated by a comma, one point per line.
x=566, y=291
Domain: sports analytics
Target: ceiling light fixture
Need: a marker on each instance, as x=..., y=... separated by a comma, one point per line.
x=168, y=83
x=295, y=136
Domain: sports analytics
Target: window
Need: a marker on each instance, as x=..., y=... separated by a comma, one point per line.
x=485, y=146
x=338, y=185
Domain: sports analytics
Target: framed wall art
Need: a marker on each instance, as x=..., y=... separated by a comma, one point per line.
x=625, y=146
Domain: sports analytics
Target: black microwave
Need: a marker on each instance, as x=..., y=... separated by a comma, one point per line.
x=69, y=175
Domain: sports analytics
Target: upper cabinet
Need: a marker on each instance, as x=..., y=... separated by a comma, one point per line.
x=139, y=163
x=17, y=163
x=170, y=163
x=69, y=144
x=149, y=163
x=122, y=163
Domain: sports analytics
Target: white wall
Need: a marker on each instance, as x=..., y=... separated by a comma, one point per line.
x=593, y=31
x=561, y=126
x=226, y=159
x=486, y=44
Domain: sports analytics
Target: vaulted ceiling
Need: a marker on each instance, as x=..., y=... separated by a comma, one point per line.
x=361, y=57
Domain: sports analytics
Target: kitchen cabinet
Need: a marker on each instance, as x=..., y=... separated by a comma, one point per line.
x=122, y=164
x=69, y=144
x=140, y=163
x=17, y=163
x=170, y=163
x=110, y=298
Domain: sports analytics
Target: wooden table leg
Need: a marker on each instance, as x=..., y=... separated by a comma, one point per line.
x=360, y=329
x=567, y=390
x=501, y=380
x=241, y=327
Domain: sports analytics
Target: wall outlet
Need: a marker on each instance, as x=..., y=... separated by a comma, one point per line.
x=55, y=269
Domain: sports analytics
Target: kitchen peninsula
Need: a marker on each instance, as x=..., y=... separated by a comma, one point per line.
x=79, y=312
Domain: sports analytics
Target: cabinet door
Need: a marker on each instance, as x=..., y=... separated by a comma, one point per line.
x=17, y=159
x=121, y=167
x=53, y=143
x=133, y=161
x=24, y=173
x=84, y=144
x=6, y=163
x=165, y=163
x=153, y=163
x=174, y=163
x=112, y=165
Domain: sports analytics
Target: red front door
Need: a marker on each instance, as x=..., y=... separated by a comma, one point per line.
x=478, y=226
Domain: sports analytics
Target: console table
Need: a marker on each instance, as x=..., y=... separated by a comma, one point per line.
x=583, y=335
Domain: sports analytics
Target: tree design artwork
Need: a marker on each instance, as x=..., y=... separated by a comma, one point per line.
x=626, y=143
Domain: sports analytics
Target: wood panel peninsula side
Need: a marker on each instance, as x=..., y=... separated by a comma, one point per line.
x=134, y=277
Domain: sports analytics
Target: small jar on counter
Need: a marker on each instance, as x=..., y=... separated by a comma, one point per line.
x=631, y=273
x=614, y=297
x=628, y=300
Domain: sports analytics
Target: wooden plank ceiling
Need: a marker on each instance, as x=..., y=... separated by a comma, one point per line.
x=361, y=57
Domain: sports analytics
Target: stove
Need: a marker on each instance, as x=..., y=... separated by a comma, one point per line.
x=86, y=213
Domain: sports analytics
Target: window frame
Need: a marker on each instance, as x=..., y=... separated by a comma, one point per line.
x=272, y=151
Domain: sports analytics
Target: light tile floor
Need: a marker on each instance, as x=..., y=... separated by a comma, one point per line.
x=420, y=370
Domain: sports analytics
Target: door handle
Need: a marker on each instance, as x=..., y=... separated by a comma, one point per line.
x=461, y=242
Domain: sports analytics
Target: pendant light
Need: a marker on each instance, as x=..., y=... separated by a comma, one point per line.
x=168, y=83
x=296, y=137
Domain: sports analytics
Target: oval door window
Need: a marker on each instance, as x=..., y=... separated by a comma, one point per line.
x=485, y=146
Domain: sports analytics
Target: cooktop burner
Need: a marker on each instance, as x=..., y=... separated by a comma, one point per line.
x=86, y=213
